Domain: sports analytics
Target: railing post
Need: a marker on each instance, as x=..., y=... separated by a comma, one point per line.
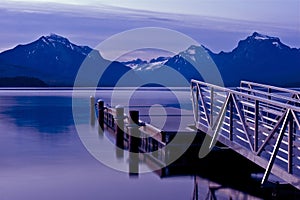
x=197, y=105
x=92, y=110
x=101, y=113
x=290, y=144
x=230, y=119
x=256, y=125
x=269, y=91
x=211, y=106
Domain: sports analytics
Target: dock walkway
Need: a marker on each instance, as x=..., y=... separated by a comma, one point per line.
x=260, y=122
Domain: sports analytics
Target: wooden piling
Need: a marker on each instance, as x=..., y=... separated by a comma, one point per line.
x=134, y=138
x=119, y=121
x=100, y=104
x=92, y=110
x=134, y=133
x=134, y=117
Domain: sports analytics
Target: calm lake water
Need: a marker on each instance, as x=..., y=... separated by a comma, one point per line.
x=42, y=156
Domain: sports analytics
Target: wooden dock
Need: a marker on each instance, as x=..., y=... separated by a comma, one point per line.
x=260, y=122
x=152, y=136
x=257, y=121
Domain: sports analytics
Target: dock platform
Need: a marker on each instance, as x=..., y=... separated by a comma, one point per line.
x=258, y=121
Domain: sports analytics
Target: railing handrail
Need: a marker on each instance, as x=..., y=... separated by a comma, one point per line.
x=270, y=86
x=275, y=103
x=270, y=94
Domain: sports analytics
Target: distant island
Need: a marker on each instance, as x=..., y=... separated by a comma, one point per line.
x=54, y=61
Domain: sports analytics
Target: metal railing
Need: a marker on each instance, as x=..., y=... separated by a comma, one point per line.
x=271, y=92
x=255, y=122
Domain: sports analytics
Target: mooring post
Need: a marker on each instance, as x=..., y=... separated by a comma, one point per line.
x=134, y=133
x=92, y=110
x=134, y=117
x=119, y=120
x=101, y=113
x=134, y=142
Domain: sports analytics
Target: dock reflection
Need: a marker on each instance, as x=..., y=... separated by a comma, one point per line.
x=222, y=174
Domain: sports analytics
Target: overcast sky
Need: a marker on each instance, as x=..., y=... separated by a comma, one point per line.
x=217, y=24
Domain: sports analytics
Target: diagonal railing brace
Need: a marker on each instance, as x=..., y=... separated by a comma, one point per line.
x=276, y=148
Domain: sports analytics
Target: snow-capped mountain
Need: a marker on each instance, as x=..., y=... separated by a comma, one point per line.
x=55, y=60
x=134, y=63
x=259, y=58
x=57, y=41
x=143, y=65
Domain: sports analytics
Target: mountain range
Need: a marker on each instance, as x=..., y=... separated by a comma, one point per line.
x=258, y=58
x=54, y=61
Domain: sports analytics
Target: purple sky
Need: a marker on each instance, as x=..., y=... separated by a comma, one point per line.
x=218, y=25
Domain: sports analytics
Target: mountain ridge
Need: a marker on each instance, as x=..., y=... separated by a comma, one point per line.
x=55, y=60
x=258, y=58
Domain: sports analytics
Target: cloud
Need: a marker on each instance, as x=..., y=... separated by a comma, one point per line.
x=86, y=25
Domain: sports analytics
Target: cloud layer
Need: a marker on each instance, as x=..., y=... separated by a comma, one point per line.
x=89, y=26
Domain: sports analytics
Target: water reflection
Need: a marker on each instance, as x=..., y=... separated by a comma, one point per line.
x=49, y=114
x=223, y=174
x=43, y=158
